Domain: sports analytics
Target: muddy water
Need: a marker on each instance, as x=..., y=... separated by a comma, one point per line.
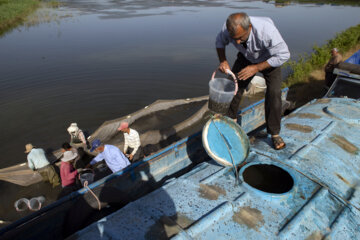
x=216, y=107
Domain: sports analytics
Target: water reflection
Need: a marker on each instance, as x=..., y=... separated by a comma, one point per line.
x=106, y=59
x=108, y=9
x=100, y=58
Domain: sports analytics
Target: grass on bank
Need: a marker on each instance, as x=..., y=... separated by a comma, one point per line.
x=301, y=69
x=306, y=81
x=14, y=12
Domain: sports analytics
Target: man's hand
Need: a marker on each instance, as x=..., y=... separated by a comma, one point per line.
x=224, y=66
x=131, y=157
x=247, y=72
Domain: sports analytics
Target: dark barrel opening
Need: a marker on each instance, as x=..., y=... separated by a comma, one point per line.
x=268, y=178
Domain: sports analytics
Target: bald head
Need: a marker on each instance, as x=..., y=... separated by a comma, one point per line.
x=236, y=20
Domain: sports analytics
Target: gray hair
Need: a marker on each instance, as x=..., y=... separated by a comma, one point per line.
x=235, y=20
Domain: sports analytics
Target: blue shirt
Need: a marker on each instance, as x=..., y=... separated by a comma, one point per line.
x=37, y=159
x=114, y=158
x=264, y=43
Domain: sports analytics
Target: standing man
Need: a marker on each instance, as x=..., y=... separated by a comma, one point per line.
x=132, y=142
x=334, y=61
x=38, y=161
x=261, y=49
x=114, y=158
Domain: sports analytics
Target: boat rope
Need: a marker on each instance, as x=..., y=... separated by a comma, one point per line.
x=232, y=159
x=97, y=199
x=341, y=199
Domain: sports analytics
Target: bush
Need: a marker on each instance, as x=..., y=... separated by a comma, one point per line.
x=14, y=12
x=301, y=69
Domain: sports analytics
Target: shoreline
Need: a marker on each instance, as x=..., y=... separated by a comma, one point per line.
x=314, y=85
x=14, y=13
x=307, y=79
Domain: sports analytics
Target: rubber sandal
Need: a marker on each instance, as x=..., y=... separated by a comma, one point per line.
x=278, y=141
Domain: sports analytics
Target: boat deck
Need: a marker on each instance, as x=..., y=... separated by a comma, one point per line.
x=309, y=190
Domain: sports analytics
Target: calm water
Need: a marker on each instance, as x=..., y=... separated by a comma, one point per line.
x=104, y=59
x=99, y=60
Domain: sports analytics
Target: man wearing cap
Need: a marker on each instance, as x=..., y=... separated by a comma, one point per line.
x=112, y=155
x=132, y=142
x=261, y=50
x=334, y=61
x=37, y=161
x=76, y=135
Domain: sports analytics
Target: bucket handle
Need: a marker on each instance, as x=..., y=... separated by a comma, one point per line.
x=228, y=72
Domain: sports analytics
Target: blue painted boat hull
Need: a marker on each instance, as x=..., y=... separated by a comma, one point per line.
x=78, y=209
x=322, y=158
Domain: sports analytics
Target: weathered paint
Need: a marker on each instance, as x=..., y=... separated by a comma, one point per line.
x=304, y=115
x=210, y=192
x=342, y=179
x=251, y=217
x=322, y=100
x=344, y=144
x=298, y=127
x=130, y=183
x=323, y=202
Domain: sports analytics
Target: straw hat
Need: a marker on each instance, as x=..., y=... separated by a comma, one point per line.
x=73, y=128
x=28, y=147
x=68, y=156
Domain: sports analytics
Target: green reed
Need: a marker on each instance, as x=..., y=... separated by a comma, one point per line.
x=307, y=63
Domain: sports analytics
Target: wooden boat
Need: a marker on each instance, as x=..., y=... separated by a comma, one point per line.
x=77, y=210
x=154, y=136
x=347, y=82
x=308, y=190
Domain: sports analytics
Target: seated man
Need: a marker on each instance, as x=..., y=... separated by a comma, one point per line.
x=334, y=61
x=80, y=161
x=76, y=135
x=67, y=172
x=38, y=161
x=132, y=142
x=112, y=155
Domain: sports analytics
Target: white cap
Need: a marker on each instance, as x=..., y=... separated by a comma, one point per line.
x=73, y=128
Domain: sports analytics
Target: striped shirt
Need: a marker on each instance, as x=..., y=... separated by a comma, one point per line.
x=264, y=43
x=132, y=140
